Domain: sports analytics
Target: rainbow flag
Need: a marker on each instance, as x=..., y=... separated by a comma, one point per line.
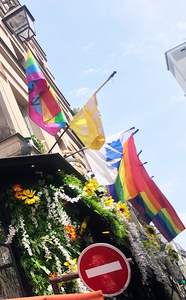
x=44, y=109
x=151, y=200
x=146, y=212
x=129, y=182
x=153, y=206
x=168, y=223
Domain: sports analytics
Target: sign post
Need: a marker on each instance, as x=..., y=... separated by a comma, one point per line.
x=104, y=267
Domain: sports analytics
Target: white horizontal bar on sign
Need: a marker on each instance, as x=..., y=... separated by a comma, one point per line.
x=104, y=269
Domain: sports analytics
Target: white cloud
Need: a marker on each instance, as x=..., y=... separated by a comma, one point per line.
x=91, y=70
x=81, y=92
x=88, y=47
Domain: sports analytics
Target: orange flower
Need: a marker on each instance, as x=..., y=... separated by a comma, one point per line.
x=73, y=238
x=17, y=188
x=67, y=229
x=70, y=230
x=52, y=275
x=19, y=195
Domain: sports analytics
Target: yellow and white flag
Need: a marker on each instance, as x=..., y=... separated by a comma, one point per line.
x=88, y=126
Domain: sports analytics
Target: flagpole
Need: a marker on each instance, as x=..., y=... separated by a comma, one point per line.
x=143, y=164
x=86, y=147
x=135, y=131
x=112, y=75
x=66, y=156
x=59, y=138
x=140, y=152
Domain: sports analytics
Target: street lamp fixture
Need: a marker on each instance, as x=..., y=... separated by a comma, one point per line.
x=20, y=22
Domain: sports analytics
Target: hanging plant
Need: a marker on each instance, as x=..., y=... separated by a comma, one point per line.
x=45, y=221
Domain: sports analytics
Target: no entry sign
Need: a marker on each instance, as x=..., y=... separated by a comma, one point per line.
x=104, y=267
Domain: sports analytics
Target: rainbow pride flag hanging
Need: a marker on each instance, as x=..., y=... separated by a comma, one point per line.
x=153, y=206
x=149, y=201
x=147, y=212
x=44, y=109
x=168, y=223
x=129, y=182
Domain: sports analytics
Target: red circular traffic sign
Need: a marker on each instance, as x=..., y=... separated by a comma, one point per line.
x=104, y=267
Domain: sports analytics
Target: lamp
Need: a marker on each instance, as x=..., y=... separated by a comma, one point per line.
x=20, y=22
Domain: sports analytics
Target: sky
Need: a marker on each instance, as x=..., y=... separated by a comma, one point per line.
x=85, y=41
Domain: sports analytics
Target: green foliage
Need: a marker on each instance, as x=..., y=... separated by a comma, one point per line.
x=39, y=145
x=118, y=228
x=34, y=235
x=41, y=233
x=75, y=111
x=72, y=179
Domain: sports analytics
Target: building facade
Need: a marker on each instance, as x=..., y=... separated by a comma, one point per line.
x=176, y=63
x=15, y=123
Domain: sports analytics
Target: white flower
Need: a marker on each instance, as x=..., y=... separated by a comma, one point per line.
x=12, y=232
x=49, y=288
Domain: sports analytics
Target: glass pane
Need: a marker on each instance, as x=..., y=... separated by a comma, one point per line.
x=26, y=34
x=31, y=23
x=5, y=257
x=9, y=285
x=17, y=22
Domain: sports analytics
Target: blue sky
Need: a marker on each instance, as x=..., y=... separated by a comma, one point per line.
x=85, y=41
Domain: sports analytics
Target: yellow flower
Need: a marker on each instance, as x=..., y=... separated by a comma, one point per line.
x=91, y=186
x=175, y=255
x=169, y=248
x=123, y=208
x=128, y=216
x=89, y=189
x=83, y=227
x=155, y=243
x=172, y=252
x=29, y=197
x=109, y=201
x=71, y=264
x=151, y=231
x=94, y=182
